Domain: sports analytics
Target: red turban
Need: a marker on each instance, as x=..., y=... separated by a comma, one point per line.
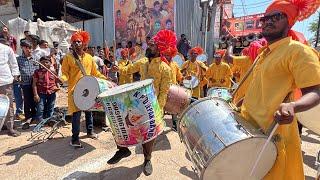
x=220, y=53
x=197, y=50
x=294, y=9
x=82, y=36
x=164, y=39
x=170, y=51
x=125, y=53
x=245, y=51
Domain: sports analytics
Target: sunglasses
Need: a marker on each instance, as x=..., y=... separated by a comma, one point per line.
x=274, y=18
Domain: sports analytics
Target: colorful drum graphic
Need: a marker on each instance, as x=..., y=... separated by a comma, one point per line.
x=4, y=108
x=86, y=91
x=219, y=92
x=133, y=112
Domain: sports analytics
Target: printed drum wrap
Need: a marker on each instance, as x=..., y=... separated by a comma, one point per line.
x=135, y=116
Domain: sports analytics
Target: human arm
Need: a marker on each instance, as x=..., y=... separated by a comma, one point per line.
x=164, y=87
x=13, y=64
x=36, y=97
x=65, y=68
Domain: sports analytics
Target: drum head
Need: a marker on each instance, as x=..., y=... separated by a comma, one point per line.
x=310, y=119
x=4, y=108
x=85, y=92
x=202, y=58
x=178, y=60
x=191, y=84
x=125, y=88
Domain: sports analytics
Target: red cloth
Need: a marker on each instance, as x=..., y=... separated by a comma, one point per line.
x=245, y=51
x=82, y=36
x=297, y=36
x=254, y=47
x=124, y=53
x=197, y=50
x=166, y=41
x=170, y=51
x=46, y=82
x=220, y=52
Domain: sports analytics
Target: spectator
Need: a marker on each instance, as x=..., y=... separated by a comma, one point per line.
x=9, y=73
x=44, y=86
x=118, y=51
x=112, y=74
x=184, y=46
x=97, y=59
x=37, y=52
x=12, y=40
x=27, y=68
x=57, y=52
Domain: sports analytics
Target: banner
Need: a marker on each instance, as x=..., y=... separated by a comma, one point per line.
x=227, y=13
x=7, y=7
x=135, y=20
x=242, y=26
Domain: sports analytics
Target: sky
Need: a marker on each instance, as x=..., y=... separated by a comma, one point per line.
x=259, y=6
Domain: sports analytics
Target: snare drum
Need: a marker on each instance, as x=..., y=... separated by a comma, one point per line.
x=221, y=144
x=4, y=108
x=219, y=92
x=178, y=99
x=192, y=83
x=310, y=119
x=86, y=91
x=133, y=112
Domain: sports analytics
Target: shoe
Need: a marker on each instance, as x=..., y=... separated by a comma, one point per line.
x=26, y=126
x=120, y=154
x=147, y=168
x=20, y=117
x=92, y=135
x=14, y=133
x=76, y=144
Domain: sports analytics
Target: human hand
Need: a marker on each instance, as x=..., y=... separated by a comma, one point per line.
x=36, y=98
x=285, y=113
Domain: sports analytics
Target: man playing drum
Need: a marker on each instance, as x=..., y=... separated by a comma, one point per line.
x=194, y=68
x=156, y=68
x=282, y=66
x=71, y=72
x=124, y=77
x=219, y=73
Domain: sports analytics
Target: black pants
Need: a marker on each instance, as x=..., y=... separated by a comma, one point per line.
x=30, y=110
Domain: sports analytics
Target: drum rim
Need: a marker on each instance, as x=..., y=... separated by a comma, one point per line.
x=125, y=88
x=212, y=158
x=84, y=77
x=7, y=110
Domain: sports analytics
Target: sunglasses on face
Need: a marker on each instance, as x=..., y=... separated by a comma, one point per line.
x=274, y=18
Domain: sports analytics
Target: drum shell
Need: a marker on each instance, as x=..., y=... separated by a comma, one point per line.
x=219, y=92
x=134, y=113
x=4, y=108
x=310, y=119
x=178, y=100
x=213, y=133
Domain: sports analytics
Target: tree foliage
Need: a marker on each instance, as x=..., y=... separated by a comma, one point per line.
x=313, y=27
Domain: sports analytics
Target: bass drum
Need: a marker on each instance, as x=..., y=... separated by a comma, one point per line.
x=310, y=119
x=221, y=144
x=4, y=108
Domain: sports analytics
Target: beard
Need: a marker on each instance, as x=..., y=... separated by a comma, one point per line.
x=272, y=36
x=149, y=54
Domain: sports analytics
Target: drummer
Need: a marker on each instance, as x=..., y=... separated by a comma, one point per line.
x=195, y=68
x=124, y=77
x=169, y=53
x=219, y=73
x=156, y=68
x=282, y=66
x=71, y=73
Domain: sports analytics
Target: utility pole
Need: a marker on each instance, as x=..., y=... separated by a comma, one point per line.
x=65, y=10
x=318, y=29
x=221, y=17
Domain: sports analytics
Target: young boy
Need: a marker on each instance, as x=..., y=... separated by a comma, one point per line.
x=44, y=86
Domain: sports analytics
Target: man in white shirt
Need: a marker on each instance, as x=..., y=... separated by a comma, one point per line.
x=9, y=72
x=37, y=52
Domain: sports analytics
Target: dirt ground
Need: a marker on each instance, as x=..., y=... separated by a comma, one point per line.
x=21, y=158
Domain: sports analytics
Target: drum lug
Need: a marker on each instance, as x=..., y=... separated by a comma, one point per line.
x=219, y=138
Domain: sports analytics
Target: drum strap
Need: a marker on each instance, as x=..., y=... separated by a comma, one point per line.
x=78, y=62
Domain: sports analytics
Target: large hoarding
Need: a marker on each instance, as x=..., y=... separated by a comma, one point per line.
x=7, y=7
x=135, y=20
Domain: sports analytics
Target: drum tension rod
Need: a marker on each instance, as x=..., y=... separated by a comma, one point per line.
x=219, y=138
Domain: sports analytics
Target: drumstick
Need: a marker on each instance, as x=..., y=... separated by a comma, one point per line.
x=264, y=147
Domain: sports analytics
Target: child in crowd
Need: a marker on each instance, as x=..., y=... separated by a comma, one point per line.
x=44, y=86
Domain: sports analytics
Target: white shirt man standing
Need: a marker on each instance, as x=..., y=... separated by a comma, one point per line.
x=9, y=73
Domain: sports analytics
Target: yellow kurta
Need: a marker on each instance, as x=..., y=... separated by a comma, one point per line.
x=197, y=69
x=244, y=64
x=176, y=73
x=216, y=73
x=157, y=70
x=282, y=67
x=124, y=77
x=71, y=73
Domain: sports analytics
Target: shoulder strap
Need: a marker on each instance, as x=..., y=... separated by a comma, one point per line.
x=76, y=57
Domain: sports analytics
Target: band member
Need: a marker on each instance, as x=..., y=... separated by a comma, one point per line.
x=154, y=67
x=71, y=72
x=124, y=77
x=282, y=66
x=194, y=68
x=219, y=73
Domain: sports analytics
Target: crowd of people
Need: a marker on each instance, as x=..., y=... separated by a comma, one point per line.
x=268, y=71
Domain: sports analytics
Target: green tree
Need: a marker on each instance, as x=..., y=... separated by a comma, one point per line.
x=313, y=27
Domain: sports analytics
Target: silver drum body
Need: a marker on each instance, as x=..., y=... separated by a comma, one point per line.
x=221, y=144
x=4, y=108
